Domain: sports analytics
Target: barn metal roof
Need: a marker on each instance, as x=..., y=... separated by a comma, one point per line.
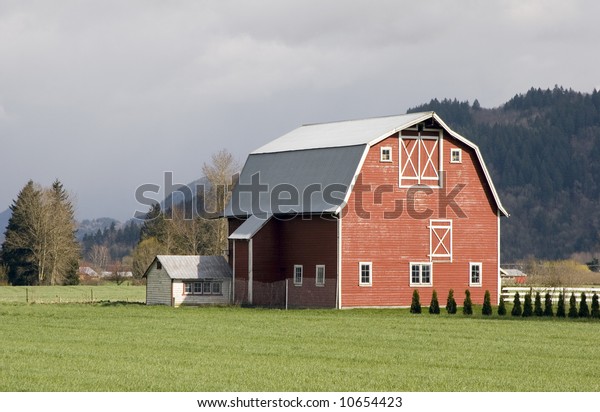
x=250, y=227
x=338, y=134
x=301, y=181
x=195, y=267
x=313, y=168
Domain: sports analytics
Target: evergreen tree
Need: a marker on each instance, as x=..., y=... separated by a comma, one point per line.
x=434, y=306
x=467, y=304
x=584, y=310
x=487, y=304
x=415, y=306
x=516, y=310
x=538, y=305
x=502, y=307
x=451, y=303
x=573, y=306
x=527, y=306
x=560, y=307
x=548, y=311
x=595, y=307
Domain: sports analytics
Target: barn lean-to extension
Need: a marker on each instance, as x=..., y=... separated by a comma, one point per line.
x=361, y=213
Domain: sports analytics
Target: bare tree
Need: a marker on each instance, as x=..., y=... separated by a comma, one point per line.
x=219, y=173
x=99, y=257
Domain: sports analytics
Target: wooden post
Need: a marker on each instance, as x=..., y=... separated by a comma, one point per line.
x=26, y=295
x=91, y=295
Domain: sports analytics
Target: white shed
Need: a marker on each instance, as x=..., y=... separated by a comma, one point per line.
x=188, y=280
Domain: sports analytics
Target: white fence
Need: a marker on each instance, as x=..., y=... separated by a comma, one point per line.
x=508, y=293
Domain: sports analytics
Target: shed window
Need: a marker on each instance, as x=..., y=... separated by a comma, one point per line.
x=364, y=274
x=298, y=275
x=420, y=274
x=320, y=275
x=203, y=288
x=386, y=154
x=475, y=274
x=158, y=265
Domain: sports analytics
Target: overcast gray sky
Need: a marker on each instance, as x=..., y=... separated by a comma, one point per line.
x=108, y=95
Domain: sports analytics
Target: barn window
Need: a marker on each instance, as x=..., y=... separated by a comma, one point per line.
x=419, y=160
x=320, y=275
x=364, y=273
x=475, y=274
x=440, y=240
x=420, y=274
x=455, y=156
x=298, y=275
x=386, y=154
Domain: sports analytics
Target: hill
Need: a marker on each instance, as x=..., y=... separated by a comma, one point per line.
x=543, y=151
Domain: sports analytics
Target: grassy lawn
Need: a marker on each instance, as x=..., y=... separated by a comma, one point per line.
x=73, y=294
x=131, y=347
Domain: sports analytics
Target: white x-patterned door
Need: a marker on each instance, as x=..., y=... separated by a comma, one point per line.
x=440, y=240
x=419, y=161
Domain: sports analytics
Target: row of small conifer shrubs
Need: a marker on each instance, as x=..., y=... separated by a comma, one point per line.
x=525, y=310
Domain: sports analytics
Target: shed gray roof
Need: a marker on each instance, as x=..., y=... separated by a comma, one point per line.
x=195, y=267
x=313, y=168
x=511, y=272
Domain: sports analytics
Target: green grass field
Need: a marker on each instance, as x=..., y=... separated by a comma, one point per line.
x=132, y=347
x=72, y=294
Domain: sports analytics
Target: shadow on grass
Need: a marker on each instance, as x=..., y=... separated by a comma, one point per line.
x=118, y=303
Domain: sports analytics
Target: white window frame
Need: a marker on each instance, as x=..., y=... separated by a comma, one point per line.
x=475, y=264
x=212, y=288
x=440, y=230
x=187, y=285
x=389, y=151
x=420, y=283
x=296, y=281
x=360, y=281
x=321, y=283
x=452, y=152
x=195, y=290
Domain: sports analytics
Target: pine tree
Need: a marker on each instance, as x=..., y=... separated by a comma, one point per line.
x=548, y=311
x=538, y=305
x=434, y=306
x=584, y=311
x=527, y=306
x=451, y=303
x=595, y=307
x=486, y=309
x=560, y=306
x=573, y=306
x=516, y=310
x=467, y=304
x=502, y=307
x=415, y=306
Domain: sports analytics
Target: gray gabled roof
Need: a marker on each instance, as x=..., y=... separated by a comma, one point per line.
x=195, y=267
x=313, y=168
x=252, y=225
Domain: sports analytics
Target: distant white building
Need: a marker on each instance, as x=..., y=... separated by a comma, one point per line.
x=88, y=271
x=188, y=280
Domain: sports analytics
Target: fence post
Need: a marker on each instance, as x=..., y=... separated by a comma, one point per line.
x=26, y=295
x=91, y=295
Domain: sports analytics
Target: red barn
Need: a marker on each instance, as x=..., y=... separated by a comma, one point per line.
x=362, y=213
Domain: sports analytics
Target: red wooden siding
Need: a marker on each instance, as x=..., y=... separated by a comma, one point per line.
x=391, y=242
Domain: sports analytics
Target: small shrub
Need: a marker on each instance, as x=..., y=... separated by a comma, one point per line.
x=487, y=305
x=415, y=306
x=434, y=306
x=548, y=311
x=573, y=306
x=516, y=310
x=595, y=307
x=467, y=304
x=537, y=306
x=560, y=306
x=584, y=310
x=527, y=306
x=501, y=307
x=451, y=303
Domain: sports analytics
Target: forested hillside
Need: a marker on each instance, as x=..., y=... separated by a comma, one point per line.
x=543, y=151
